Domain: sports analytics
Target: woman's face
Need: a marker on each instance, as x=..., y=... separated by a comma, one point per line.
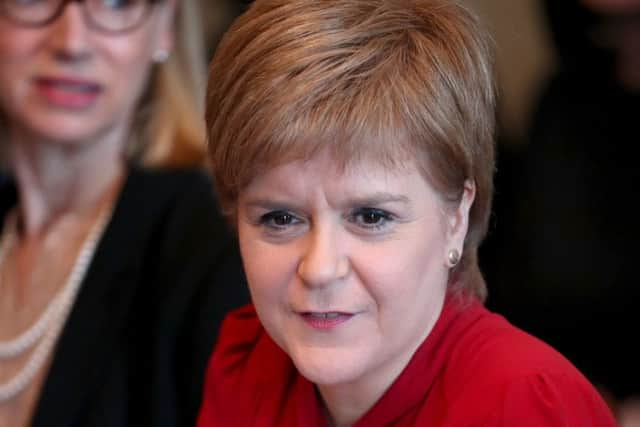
x=68, y=82
x=347, y=271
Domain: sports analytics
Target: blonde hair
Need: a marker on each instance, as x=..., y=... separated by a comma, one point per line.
x=390, y=80
x=169, y=131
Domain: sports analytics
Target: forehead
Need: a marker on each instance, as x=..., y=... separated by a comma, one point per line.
x=324, y=171
x=343, y=150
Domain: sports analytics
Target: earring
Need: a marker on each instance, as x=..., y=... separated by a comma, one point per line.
x=453, y=257
x=160, y=56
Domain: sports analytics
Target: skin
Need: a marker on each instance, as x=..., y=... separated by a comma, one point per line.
x=66, y=149
x=369, y=246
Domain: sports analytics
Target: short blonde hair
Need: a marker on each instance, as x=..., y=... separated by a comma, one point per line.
x=390, y=80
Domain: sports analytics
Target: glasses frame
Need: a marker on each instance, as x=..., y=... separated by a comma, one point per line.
x=89, y=19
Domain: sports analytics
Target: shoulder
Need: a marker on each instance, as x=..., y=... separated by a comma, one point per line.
x=173, y=178
x=185, y=242
x=174, y=204
x=168, y=233
x=505, y=374
x=503, y=350
x=170, y=184
x=245, y=346
x=248, y=362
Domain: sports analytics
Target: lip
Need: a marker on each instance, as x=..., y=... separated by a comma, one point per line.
x=325, y=320
x=68, y=92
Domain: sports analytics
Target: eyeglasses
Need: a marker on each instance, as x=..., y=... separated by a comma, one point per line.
x=109, y=16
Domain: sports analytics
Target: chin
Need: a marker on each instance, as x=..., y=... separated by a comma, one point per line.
x=68, y=133
x=328, y=366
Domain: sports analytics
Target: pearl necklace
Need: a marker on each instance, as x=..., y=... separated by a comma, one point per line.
x=48, y=326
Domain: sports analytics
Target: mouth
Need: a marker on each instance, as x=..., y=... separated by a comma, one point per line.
x=329, y=315
x=325, y=320
x=68, y=93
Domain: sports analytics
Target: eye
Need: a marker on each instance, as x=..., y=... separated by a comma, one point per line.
x=26, y=2
x=278, y=219
x=119, y=5
x=15, y=4
x=116, y=4
x=29, y=12
x=371, y=218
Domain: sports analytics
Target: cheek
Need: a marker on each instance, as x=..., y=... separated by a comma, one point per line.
x=404, y=273
x=14, y=42
x=15, y=69
x=269, y=268
x=16, y=57
x=132, y=57
x=132, y=62
x=136, y=44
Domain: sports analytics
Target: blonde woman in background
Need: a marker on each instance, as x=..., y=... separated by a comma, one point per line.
x=112, y=275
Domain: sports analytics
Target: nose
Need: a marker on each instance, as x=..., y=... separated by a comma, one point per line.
x=324, y=260
x=69, y=35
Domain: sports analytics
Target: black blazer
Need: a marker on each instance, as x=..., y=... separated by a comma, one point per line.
x=136, y=344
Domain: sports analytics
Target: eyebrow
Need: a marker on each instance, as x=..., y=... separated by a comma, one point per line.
x=378, y=199
x=267, y=204
x=373, y=199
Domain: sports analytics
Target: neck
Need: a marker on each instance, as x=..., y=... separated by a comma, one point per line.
x=57, y=179
x=347, y=403
x=342, y=408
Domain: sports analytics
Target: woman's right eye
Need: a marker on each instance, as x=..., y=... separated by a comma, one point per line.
x=27, y=3
x=278, y=219
x=119, y=4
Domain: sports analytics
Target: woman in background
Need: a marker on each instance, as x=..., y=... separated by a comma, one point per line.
x=113, y=278
x=352, y=144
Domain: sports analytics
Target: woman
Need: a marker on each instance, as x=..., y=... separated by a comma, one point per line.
x=112, y=277
x=352, y=147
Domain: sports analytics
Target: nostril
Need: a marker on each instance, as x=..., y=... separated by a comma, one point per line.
x=343, y=267
x=323, y=260
x=71, y=55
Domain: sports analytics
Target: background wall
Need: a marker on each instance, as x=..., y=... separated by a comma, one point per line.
x=524, y=56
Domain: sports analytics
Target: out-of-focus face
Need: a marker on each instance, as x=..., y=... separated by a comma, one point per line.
x=68, y=82
x=620, y=31
x=347, y=271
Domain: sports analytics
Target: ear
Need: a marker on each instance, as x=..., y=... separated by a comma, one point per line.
x=165, y=29
x=458, y=223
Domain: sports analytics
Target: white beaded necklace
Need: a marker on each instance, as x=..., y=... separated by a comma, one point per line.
x=46, y=329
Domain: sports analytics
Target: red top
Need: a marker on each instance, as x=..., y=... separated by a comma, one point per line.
x=474, y=369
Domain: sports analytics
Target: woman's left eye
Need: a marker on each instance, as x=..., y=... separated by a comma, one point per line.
x=371, y=218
